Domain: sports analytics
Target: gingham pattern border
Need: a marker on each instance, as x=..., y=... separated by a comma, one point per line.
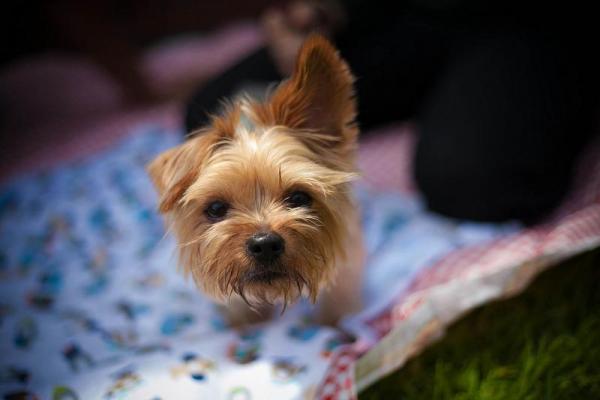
x=574, y=227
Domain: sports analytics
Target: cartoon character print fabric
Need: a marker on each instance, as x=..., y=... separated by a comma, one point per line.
x=92, y=305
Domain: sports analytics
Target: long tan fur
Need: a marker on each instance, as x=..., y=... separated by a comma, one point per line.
x=303, y=137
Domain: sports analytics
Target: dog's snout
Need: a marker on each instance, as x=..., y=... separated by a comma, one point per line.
x=265, y=247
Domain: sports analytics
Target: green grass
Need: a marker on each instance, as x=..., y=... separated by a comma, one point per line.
x=542, y=344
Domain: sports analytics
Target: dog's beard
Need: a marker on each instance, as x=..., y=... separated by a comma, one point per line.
x=269, y=285
x=223, y=273
x=259, y=285
x=217, y=260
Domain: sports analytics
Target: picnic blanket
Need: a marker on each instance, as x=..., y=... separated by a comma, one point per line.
x=92, y=305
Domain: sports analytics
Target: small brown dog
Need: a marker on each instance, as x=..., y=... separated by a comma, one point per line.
x=260, y=201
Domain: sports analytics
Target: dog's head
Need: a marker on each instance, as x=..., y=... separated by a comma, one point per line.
x=258, y=199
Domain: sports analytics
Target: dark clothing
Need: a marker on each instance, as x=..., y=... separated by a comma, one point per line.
x=504, y=103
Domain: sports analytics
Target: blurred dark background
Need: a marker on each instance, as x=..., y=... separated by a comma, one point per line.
x=113, y=33
x=505, y=93
x=68, y=66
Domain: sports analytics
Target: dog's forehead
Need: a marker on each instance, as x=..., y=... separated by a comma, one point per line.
x=247, y=133
x=248, y=128
x=262, y=160
x=254, y=157
x=253, y=139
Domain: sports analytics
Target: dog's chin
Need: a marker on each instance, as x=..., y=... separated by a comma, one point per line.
x=262, y=285
x=265, y=276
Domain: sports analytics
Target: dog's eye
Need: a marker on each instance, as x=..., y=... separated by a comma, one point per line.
x=298, y=199
x=216, y=210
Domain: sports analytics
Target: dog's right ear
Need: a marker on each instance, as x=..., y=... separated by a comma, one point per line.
x=318, y=97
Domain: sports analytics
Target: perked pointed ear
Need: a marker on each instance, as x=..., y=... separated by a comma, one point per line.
x=319, y=96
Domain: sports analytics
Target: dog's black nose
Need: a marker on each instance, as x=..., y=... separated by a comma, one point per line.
x=265, y=247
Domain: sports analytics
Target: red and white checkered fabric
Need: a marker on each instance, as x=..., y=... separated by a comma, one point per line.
x=386, y=160
x=339, y=381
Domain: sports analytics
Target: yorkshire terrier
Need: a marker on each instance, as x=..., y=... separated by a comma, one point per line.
x=260, y=200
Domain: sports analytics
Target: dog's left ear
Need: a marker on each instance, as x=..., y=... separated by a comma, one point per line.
x=319, y=96
x=173, y=171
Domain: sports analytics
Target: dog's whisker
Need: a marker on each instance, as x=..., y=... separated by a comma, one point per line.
x=285, y=304
x=191, y=242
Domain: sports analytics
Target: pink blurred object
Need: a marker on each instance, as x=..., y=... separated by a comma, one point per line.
x=62, y=107
x=189, y=58
x=385, y=158
x=54, y=87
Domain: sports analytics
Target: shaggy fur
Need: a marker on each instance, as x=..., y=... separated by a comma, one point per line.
x=303, y=137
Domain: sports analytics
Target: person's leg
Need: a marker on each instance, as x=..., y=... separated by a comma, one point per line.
x=395, y=65
x=255, y=69
x=501, y=132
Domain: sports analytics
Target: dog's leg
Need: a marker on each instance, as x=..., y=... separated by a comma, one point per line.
x=238, y=314
x=344, y=296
